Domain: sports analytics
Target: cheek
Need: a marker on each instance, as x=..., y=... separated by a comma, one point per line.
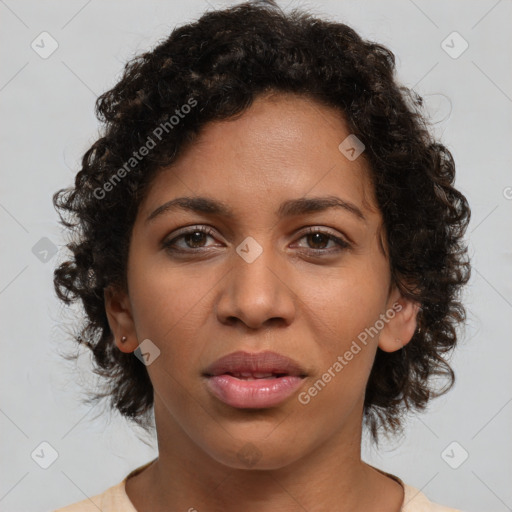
x=341, y=316
x=349, y=301
x=170, y=306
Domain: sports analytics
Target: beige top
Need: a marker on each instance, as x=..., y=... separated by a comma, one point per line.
x=115, y=499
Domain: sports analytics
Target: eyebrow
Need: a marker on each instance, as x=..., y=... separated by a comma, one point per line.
x=289, y=208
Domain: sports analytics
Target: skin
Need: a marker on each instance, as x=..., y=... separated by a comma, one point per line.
x=198, y=308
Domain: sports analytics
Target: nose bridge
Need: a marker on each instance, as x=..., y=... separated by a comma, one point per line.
x=255, y=291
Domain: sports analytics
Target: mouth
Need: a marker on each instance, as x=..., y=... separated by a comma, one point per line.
x=254, y=375
x=247, y=365
x=261, y=380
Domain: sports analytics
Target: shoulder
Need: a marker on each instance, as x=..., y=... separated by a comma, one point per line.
x=416, y=501
x=114, y=499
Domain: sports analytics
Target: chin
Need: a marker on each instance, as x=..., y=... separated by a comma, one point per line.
x=255, y=455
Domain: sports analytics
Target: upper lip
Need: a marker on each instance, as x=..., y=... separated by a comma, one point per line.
x=261, y=362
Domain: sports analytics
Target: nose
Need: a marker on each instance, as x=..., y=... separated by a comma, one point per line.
x=257, y=293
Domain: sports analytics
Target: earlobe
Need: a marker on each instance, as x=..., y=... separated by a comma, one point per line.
x=120, y=319
x=401, y=325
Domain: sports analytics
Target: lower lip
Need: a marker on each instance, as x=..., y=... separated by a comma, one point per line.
x=257, y=393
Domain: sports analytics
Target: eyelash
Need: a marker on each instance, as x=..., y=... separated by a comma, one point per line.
x=170, y=244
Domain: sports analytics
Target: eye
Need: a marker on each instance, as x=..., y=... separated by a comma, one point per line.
x=318, y=239
x=193, y=238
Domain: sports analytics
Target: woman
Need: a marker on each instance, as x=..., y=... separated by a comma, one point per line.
x=268, y=247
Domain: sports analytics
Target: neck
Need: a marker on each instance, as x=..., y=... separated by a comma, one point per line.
x=330, y=476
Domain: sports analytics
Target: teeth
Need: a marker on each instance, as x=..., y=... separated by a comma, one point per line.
x=253, y=376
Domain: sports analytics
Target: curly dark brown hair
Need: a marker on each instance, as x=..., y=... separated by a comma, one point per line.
x=217, y=66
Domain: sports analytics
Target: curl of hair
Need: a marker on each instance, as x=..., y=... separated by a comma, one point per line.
x=223, y=61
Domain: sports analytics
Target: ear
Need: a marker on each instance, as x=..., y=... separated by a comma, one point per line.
x=120, y=319
x=401, y=313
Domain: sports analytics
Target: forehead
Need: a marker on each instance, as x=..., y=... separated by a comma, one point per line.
x=282, y=146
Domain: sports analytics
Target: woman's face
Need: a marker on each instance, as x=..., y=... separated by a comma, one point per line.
x=258, y=281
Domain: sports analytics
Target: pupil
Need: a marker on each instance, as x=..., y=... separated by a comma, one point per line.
x=196, y=237
x=317, y=238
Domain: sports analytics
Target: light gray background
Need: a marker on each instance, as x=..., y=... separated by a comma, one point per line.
x=47, y=124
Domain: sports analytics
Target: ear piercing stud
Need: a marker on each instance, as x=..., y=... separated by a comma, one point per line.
x=123, y=339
